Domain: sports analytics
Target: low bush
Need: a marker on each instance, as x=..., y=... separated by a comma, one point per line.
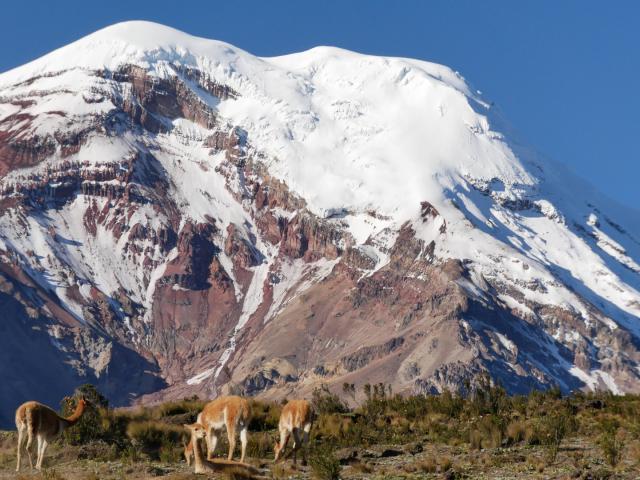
x=611, y=441
x=516, y=432
x=553, y=428
x=265, y=416
x=187, y=407
x=324, y=465
x=90, y=426
x=487, y=432
x=151, y=436
x=326, y=402
x=261, y=444
x=427, y=465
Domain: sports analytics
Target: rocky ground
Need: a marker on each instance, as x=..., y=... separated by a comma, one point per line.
x=577, y=458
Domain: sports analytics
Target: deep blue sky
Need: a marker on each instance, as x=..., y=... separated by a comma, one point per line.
x=565, y=73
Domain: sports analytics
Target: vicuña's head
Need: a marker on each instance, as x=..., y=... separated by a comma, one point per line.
x=196, y=429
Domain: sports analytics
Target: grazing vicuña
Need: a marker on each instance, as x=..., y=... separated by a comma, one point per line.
x=296, y=419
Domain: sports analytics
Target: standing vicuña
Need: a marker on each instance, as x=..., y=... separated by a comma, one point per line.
x=36, y=419
x=296, y=418
x=230, y=412
x=188, y=448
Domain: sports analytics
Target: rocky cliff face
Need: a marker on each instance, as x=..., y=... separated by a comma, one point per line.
x=179, y=217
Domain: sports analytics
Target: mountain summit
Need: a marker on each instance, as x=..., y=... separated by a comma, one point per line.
x=179, y=216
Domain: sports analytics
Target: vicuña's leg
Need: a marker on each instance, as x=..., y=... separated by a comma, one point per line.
x=39, y=453
x=296, y=444
x=21, y=438
x=207, y=440
x=212, y=442
x=28, y=448
x=231, y=435
x=187, y=456
x=45, y=444
x=305, y=441
x=243, y=441
x=284, y=439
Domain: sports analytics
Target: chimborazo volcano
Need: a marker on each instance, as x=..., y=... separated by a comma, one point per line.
x=178, y=217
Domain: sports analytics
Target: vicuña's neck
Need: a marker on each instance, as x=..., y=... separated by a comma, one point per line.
x=75, y=416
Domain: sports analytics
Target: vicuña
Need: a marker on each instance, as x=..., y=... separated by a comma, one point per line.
x=188, y=448
x=296, y=419
x=231, y=412
x=36, y=419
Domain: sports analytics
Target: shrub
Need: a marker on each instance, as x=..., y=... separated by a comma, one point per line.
x=446, y=464
x=487, y=397
x=151, y=436
x=90, y=426
x=611, y=441
x=324, y=464
x=362, y=467
x=449, y=404
x=188, y=407
x=475, y=439
x=427, y=465
x=553, y=429
x=487, y=432
x=325, y=402
x=51, y=474
x=260, y=445
x=335, y=428
x=516, y=431
x=349, y=389
x=265, y=416
x=634, y=452
x=130, y=454
x=170, y=452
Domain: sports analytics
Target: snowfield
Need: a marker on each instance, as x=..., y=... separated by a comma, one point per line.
x=364, y=141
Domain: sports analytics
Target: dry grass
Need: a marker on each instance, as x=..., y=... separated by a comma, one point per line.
x=516, y=431
x=490, y=436
x=362, y=467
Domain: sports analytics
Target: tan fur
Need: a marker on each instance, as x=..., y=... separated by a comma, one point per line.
x=234, y=414
x=202, y=465
x=188, y=448
x=188, y=452
x=34, y=419
x=296, y=419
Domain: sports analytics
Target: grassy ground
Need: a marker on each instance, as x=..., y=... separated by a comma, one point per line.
x=488, y=435
x=575, y=459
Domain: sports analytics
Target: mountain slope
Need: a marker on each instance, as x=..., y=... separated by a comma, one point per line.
x=220, y=221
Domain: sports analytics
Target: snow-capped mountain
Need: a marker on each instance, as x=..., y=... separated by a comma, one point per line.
x=179, y=216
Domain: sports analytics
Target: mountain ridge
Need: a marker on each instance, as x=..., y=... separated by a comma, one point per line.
x=188, y=202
